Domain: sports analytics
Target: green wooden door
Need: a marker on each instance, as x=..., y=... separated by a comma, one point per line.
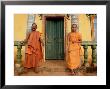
x=54, y=38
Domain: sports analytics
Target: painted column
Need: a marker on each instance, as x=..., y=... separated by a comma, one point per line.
x=92, y=18
x=92, y=27
x=31, y=19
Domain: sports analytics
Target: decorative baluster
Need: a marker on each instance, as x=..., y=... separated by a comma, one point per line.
x=19, y=47
x=94, y=58
x=18, y=67
x=85, y=54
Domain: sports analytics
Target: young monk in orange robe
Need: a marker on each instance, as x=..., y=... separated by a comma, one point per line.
x=74, y=47
x=33, y=53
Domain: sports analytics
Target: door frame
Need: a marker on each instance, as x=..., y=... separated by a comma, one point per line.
x=44, y=17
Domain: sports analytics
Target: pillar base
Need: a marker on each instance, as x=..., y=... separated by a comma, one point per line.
x=18, y=69
x=94, y=65
x=87, y=65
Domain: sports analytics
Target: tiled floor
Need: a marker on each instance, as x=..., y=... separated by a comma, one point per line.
x=55, y=68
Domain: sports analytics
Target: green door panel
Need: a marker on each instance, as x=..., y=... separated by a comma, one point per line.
x=54, y=38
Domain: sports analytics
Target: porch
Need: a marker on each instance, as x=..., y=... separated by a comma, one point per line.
x=57, y=67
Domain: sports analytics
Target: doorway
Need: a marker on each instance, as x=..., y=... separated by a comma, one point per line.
x=54, y=38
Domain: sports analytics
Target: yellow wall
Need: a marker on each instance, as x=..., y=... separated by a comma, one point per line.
x=20, y=27
x=85, y=29
x=39, y=23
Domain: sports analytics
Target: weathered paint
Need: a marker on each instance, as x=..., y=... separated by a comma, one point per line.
x=20, y=28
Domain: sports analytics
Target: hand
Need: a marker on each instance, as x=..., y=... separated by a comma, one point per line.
x=79, y=42
x=21, y=42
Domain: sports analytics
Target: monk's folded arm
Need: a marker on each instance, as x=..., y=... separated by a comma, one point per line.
x=79, y=41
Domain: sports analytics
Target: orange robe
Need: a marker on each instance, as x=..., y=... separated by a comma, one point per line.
x=33, y=50
x=74, y=49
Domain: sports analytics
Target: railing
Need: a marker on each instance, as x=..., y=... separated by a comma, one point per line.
x=85, y=45
x=93, y=45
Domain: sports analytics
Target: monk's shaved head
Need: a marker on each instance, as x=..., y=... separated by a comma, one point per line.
x=34, y=26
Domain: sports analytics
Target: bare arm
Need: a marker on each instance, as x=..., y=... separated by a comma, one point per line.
x=41, y=40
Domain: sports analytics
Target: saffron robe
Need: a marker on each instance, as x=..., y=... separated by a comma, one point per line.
x=74, y=49
x=33, y=53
